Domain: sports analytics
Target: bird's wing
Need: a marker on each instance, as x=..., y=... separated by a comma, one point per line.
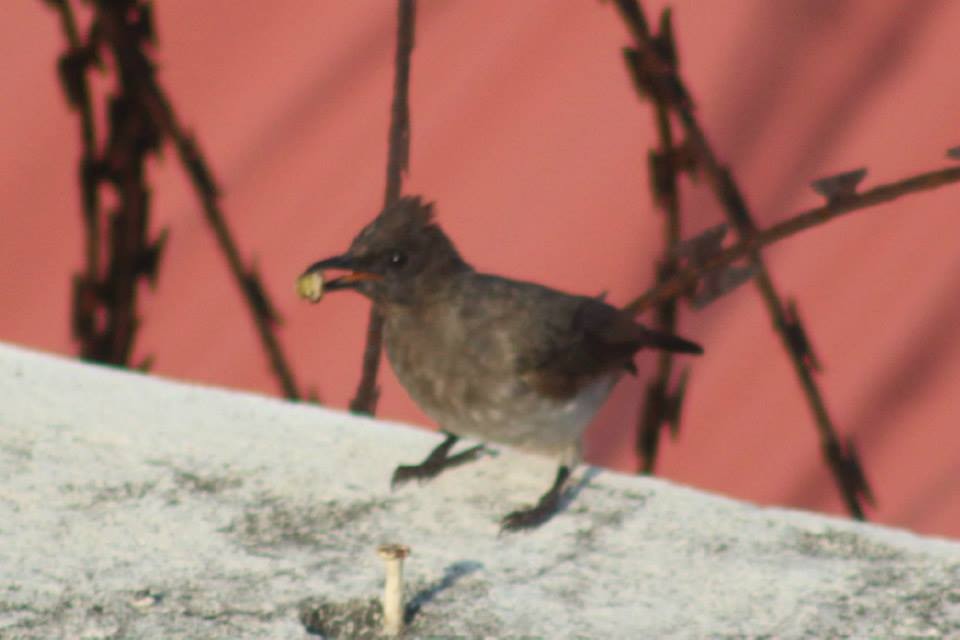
x=586, y=338
x=599, y=339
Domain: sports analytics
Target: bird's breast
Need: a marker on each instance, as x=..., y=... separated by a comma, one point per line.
x=465, y=379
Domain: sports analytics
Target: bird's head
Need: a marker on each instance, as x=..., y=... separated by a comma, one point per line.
x=398, y=258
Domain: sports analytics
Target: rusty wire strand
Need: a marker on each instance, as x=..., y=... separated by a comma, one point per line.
x=72, y=69
x=125, y=27
x=398, y=154
x=688, y=275
x=656, y=410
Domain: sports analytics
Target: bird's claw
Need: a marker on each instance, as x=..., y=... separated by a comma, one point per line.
x=418, y=472
x=431, y=467
x=527, y=518
x=547, y=507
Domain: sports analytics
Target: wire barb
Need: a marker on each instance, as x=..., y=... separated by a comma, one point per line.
x=838, y=186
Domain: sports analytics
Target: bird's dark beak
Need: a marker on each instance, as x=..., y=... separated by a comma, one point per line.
x=312, y=283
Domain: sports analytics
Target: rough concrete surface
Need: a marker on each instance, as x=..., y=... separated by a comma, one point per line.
x=133, y=507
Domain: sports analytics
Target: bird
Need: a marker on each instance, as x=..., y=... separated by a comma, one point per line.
x=498, y=360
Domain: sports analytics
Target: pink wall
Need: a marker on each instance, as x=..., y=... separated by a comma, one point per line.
x=528, y=136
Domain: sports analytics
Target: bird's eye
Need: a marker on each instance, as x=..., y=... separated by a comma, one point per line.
x=398, y=259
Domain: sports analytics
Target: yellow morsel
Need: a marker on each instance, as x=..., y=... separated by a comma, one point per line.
x=310, y=286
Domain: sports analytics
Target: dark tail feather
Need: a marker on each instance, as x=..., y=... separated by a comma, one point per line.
x=669, y=342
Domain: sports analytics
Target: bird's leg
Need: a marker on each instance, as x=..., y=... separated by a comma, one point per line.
x=437, y=461
x=545, y=509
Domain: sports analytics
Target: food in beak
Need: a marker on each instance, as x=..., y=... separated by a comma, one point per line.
x=310, y=286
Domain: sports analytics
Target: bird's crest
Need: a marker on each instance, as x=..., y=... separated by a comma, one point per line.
x=408, y=216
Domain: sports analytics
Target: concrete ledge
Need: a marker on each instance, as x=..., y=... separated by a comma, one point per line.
x=137, y=507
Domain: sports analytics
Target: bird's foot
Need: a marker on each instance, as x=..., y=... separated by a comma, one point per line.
x=547, y=507
x=530, y=518
x=434, y=465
